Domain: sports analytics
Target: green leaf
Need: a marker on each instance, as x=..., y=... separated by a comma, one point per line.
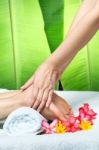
x=23, y=41
x=25, y=44
x=7, y=72
x=53, y=13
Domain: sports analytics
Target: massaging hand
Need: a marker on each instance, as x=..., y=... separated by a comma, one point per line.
x=43, y=82
x=58, y=108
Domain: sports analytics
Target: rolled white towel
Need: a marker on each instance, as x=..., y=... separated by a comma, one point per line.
x=22, y=121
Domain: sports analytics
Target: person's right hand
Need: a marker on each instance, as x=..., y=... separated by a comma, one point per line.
x=59, y=108
x=43, y=82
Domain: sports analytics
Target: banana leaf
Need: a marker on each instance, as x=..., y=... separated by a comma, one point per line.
x=23, y=43
x=53, y=13
x=30, y=31
x=7, y=69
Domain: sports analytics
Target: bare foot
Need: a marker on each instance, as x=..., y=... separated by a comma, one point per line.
x=59, y=108
x=25, y=96
x=9, y=94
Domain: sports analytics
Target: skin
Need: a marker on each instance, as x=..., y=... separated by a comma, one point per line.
x=9, y=94
x=83, y=28
x=59, y=108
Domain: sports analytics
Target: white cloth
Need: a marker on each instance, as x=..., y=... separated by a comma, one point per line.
x=84, y=140
x=22, y=121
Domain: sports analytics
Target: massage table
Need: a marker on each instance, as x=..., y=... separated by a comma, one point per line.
x=83, y=140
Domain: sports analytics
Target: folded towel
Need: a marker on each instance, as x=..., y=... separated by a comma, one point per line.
x=22, y=121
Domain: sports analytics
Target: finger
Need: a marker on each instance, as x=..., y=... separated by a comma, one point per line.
x=43, y=102
x=38, y=100
x=49, y=98
x=36, y=104
x=34, y=95
x=27, y=84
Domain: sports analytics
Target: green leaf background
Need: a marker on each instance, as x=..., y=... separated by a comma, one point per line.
x=30, y=31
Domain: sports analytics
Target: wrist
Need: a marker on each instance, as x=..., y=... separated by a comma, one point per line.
x=55, y=65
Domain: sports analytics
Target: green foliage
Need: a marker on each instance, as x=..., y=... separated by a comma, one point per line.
x=23, y=43
x=32, y=29
x=53, y=13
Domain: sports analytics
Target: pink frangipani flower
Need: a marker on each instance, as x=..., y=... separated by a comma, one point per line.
x=83, y=121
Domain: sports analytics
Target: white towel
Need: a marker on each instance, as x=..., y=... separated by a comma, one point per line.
x=84, y=140
x=22, y=121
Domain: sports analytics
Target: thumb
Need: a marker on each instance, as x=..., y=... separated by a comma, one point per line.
x=27, y=84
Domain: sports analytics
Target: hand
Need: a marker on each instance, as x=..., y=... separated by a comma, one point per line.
x=59, y=108
x=43, y=82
